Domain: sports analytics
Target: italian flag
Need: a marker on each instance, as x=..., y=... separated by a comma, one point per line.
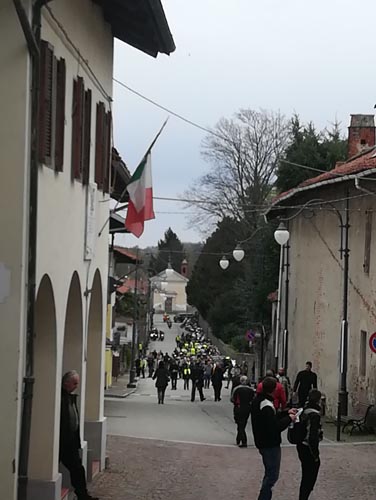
x=140, y=205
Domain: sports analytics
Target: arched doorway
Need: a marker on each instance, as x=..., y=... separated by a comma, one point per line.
x=73, y=329
x=44, y=446
x=95, y=423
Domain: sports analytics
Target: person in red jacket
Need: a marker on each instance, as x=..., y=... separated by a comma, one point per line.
x=279, y=394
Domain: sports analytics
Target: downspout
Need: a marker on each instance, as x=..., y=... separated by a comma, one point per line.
x=361, y=188
x=32, y=36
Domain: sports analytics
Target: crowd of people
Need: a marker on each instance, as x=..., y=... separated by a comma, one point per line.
x=273, y=404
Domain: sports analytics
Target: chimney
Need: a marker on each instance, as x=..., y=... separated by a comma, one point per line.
x=361, y=134
x=184, y=268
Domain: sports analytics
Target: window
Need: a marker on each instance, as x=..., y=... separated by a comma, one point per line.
x=51, y=108
x=103, y=147
x=363, y=354
x=367, y=241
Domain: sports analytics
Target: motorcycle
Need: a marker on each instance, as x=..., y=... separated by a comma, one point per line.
x=169, y=323
x=161, y=335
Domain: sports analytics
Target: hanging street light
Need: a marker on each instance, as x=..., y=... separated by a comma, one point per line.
x=238, y=253
x=281, y=234
x=224, y=262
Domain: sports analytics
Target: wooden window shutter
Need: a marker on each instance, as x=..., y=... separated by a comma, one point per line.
x=60, y=115
x=87, y=136
x=77, y=127
x=367, y=242
x=45, y=102
x=107, y=152
x=99, y=153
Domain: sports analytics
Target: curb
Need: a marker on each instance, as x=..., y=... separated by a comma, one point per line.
x=120, y=396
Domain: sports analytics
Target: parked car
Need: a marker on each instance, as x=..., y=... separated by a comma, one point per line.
x=178, y=318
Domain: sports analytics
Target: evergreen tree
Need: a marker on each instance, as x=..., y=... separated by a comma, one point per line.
x=170, y=248
x=320, y=150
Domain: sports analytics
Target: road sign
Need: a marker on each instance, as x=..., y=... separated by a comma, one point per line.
x=372, y=342
x=250, y=335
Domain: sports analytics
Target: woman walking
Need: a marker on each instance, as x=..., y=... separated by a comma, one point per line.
x=162, y=380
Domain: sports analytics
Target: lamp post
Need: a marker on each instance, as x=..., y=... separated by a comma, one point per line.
x=281, y=236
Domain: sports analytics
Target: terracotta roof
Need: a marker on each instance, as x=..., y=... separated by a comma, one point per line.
x=129, y=284
x=364, y=163
x=131, y=257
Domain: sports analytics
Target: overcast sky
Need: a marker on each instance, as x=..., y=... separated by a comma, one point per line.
x=315, y=58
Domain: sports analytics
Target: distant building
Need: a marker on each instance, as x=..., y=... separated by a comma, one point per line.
x=169, y=290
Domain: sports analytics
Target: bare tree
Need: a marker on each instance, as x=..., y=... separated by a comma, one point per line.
x=243, y=154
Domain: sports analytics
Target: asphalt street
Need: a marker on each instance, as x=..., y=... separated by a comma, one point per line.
x=178, y=419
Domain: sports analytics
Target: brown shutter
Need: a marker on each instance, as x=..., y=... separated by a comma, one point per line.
x=87, y=136
x=107, y=152
x=99, y=153
x=77, y=127
x=60, y=114
x=45, y=103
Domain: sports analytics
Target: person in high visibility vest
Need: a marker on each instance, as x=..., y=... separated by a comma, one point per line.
x=186, y=375
x=193, y=351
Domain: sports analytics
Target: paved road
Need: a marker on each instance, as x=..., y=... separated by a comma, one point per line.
x=185, y=451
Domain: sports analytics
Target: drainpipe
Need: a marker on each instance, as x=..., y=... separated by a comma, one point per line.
x=361, y=188
x=32, y=36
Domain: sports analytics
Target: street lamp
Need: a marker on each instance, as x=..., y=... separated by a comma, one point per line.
x=238, y=253
x=224, y=262
x=282, y=236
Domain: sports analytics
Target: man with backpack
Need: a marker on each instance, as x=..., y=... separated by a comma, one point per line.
x=267, y=426
x=306, y=433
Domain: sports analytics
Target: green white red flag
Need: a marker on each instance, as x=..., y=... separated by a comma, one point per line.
x=140, y=205
x=140, y=189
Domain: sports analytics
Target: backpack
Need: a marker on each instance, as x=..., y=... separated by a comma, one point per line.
x=297, y=431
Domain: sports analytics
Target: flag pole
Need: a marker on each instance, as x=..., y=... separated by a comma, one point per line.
x=125, y=189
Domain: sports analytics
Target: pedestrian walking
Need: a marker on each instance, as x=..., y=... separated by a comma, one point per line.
x=242, y=397
x=308, y=449
x=207, y=375
x=150, y=362
x=186, y=375
x=305, y=381
x=279, y=396
x=137, y=364
x=285, y=381
x=162, y=380
x=174, y=374
x=70, y=442
x=197, y=377
x=267, y=426
x=217, y=381
x=144, y=365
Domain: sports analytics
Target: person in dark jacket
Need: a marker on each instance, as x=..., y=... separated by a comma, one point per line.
x=308, y=450
x=217, y=381
x=174, y=371
x=267, y=426
x=70, y=441
x=162, y=378
x=242, y=397
x=305, y=381
x=197, y=377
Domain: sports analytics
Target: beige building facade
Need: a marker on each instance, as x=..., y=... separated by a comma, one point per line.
x=316, y=278
x=71, y=255
x=169, y=292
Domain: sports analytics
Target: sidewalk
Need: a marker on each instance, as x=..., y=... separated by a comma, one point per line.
x=119, y=388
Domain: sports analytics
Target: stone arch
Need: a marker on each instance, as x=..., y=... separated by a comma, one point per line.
x=43, y=455
x=73, y=328
x=95, y=353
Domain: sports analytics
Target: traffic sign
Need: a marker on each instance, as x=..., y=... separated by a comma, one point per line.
x=372, y=342
x=250, y=335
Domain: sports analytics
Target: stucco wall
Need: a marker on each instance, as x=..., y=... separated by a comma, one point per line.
x=316, y=298
x=61, y=211
x=14, y=145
